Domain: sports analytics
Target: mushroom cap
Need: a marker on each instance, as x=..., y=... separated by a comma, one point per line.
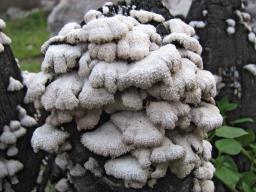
x=62, y=185
x=14, y=85
x=206, y=116
x=126, y=168
x=185, y=41
x=137, y=129
x=101, y=141
x=8, y=138
x=48, y=138
x=3, y=170
x=13, y=167
x=77, y=171
x=167, y=152
x=14, y=125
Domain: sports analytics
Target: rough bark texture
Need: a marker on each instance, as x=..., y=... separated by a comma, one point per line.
x=226, y=52
x=8, y=104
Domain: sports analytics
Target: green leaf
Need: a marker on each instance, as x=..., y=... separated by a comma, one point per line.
x=228, y=177
x=247, y=139
x=226, y=106
x=242, y=120
x=230, y=132
x=227, y=161
x=246, y=188
x=228, y=146
x=253, y=147
x=248, y=178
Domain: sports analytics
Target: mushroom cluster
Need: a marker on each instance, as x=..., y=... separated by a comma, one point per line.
x=153, y=89
x=14, y=130
x=4, y=39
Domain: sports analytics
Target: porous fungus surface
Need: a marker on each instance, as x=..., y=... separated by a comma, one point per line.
x=153, y=87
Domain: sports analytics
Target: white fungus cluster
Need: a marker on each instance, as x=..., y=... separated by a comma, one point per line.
x=4, y=39
x=8, y=139
x=154, y=89
x=12, y=131
x=231, y=24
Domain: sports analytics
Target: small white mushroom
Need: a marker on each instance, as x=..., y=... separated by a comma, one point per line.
x=160, y=170
x=3, y=169
x=178, y=26
x=251, y=68
x=14, y=125
x=207, y=150
x=106, y=52
x=77, y=171
x=252, y=37
x=107, y=29
x=93, y=166
x=195, y=58
x=91, y=15
x=101, y=141
x=91, y=98
x=14, y=167
x=206, y=116
x=205, y=172
x=166, y=114
x=166, y=152
x=88, y=120
x=2, y=24
x=52, y=40
x=58, y=117
x=207, y=186
x=137, y=43
x=36, y=85
x=154, y=68
x=126, y=168
x=206, y=83
x=61, y=93
x=137, y=129
x=146, y=16
x=25, y=119
x=20, y=132
x=48, y=138
x=14, y=85
x=62, y=185
x=142, y=156
x=185, y=41
x=231, y=22
x=8, y=137
x=231, y=30
x=197, y=24
x=85, y=64
x=68, y=27
x=128, y=100
x=61, y=58
x=12, y=151
x=4, y=39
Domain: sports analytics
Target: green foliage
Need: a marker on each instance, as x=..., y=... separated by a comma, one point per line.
x=28, y=34
x=232, y=141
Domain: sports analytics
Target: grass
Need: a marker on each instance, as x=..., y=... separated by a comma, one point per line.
x=28, y=34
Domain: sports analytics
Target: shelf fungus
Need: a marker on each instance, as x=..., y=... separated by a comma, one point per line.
x=138, y=98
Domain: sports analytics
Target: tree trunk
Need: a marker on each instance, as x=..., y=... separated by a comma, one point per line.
x=226, y=55
x=8, y=103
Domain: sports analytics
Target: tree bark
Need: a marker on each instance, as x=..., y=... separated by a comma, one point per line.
x=225, y=55
x=8, y=103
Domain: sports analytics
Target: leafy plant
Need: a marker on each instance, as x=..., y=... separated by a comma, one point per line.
x=231, y=141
